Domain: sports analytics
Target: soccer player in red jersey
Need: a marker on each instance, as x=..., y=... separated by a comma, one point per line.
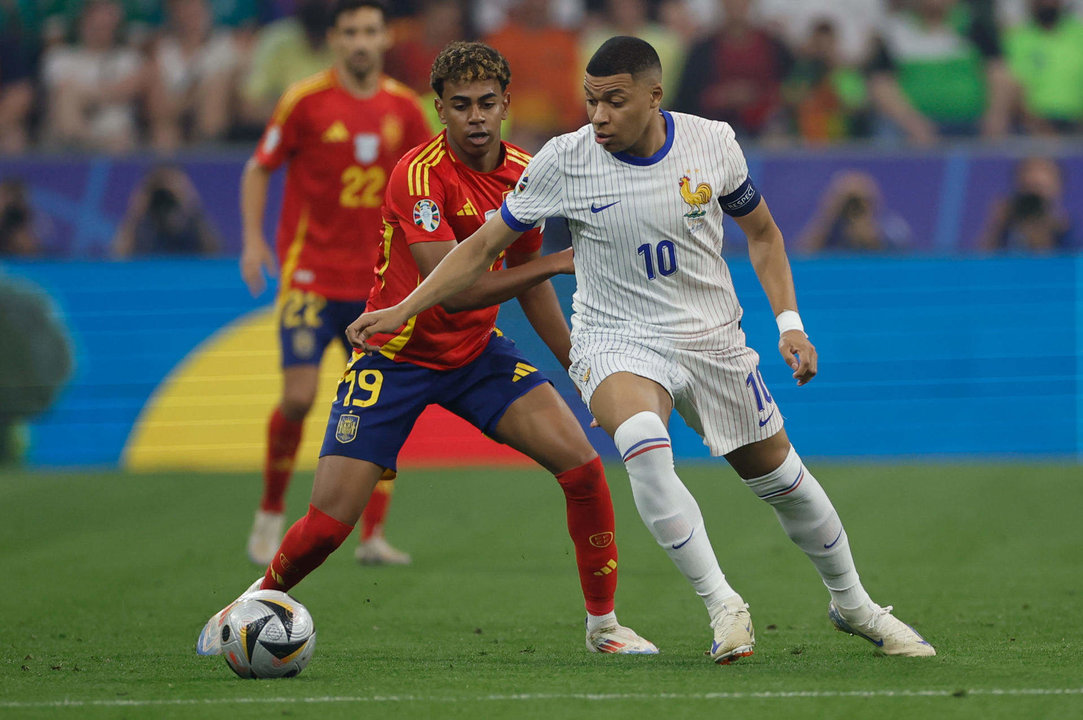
x=340, y=134
x=452, y=355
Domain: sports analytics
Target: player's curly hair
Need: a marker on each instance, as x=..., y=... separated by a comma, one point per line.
x=464, y=62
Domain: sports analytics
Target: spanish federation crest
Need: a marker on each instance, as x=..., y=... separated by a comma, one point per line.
x=426, y=215
x=366, y=147
x=347, y=428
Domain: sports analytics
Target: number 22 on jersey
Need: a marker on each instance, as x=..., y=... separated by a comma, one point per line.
x=362, y=187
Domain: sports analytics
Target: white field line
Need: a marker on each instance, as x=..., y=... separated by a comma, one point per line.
x=534, y=697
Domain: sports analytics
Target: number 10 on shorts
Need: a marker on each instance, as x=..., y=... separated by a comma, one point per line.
x=759, y=389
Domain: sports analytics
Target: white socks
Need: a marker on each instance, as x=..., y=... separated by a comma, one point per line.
x=597, y=622
x=668, y=510
x=807, y=516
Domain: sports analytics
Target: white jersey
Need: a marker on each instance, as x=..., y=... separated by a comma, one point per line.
x=647, y=232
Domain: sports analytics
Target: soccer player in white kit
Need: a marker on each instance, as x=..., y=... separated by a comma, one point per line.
x=656, y=327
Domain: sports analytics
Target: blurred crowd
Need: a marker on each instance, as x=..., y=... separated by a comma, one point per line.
x=167, y=76
x=121, y=75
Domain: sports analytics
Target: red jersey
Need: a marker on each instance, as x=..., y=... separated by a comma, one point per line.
x=341, y=150
x=433, y=197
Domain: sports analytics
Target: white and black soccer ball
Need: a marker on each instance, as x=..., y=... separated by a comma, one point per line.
x=268, y=634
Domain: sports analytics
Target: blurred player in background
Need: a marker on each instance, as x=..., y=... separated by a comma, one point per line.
x=340, y=133
x=657, y=327
x=453, y=356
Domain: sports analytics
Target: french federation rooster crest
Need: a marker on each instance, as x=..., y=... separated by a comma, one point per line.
x=700, y=196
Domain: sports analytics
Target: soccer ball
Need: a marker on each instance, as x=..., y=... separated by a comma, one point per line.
x=268, y=634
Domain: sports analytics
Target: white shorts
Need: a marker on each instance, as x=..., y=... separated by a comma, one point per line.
x=719, y=393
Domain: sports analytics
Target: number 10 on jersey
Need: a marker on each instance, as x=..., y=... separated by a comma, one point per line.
x=662, y=256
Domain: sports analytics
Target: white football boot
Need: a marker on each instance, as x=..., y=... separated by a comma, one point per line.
x=378, y=551
x=265, y=537
x=619, y=640
x=210, y=639
x=733, y=634
x=891, y=635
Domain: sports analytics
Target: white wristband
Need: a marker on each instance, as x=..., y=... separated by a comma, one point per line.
x=789, y=320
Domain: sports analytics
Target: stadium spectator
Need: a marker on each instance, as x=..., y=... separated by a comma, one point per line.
x=95, y=85
x=937, y=71
x=165, y=217
x=286, y=51
x=419, y=39
x=1045, y=55
x=632, y=17
x=854, y=22
x=1033, y=217
x=190, y=87
x=691, y=21
x=17, y=55
x=736, y=74
x=489, y=16
x=828, y=99
x=545, y=56
x=852, y=217
x=18, y=235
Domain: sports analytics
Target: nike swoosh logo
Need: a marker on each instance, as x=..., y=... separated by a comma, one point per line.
x=596, y=209
x=764, y=422
x=681, y=544
x=828, y=547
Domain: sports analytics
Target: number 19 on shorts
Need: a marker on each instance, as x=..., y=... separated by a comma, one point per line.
x=660, y=259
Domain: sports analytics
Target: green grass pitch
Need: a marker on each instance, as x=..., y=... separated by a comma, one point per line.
x=108, y=578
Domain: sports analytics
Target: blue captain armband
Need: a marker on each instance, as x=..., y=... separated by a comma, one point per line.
x=741, y=201
x=512, y=222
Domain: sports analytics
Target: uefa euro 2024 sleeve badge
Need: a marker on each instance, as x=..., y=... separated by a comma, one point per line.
x=426, y=215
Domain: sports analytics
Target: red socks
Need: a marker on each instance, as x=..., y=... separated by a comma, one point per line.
x=591, y=525
x=283, y=437
x=372, y=517
x=306, y=545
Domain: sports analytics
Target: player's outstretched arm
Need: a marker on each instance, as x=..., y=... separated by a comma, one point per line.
x=519, y=277
x=256, y=254
x=542, y=308
x=459, y=270
x=767, y=251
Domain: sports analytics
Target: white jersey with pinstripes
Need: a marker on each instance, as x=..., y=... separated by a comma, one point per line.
x=647, y=232
x=654, y=297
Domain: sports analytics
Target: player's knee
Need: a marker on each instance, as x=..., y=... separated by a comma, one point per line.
x=297, y=402
x=325, y=531
x=782, y=484
x=585, y=480
x=643, y=435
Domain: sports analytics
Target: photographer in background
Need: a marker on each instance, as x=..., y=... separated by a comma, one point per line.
x=165, y=217
x=17, y=235
x=1033, y=217
x=852, y=217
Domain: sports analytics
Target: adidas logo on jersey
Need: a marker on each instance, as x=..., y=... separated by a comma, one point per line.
x=336, y=133
x=467, y=209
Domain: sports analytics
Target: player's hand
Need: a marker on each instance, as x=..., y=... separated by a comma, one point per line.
x=255, y=258
x=388, y=320
x=564, y=261
x=799, y=354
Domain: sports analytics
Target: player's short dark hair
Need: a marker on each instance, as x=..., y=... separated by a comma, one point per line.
x=624, y=54
x=343, y=6
x=464, y=62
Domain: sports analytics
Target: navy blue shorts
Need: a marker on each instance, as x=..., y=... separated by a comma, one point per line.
x=308, y=322
x=379, y=400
